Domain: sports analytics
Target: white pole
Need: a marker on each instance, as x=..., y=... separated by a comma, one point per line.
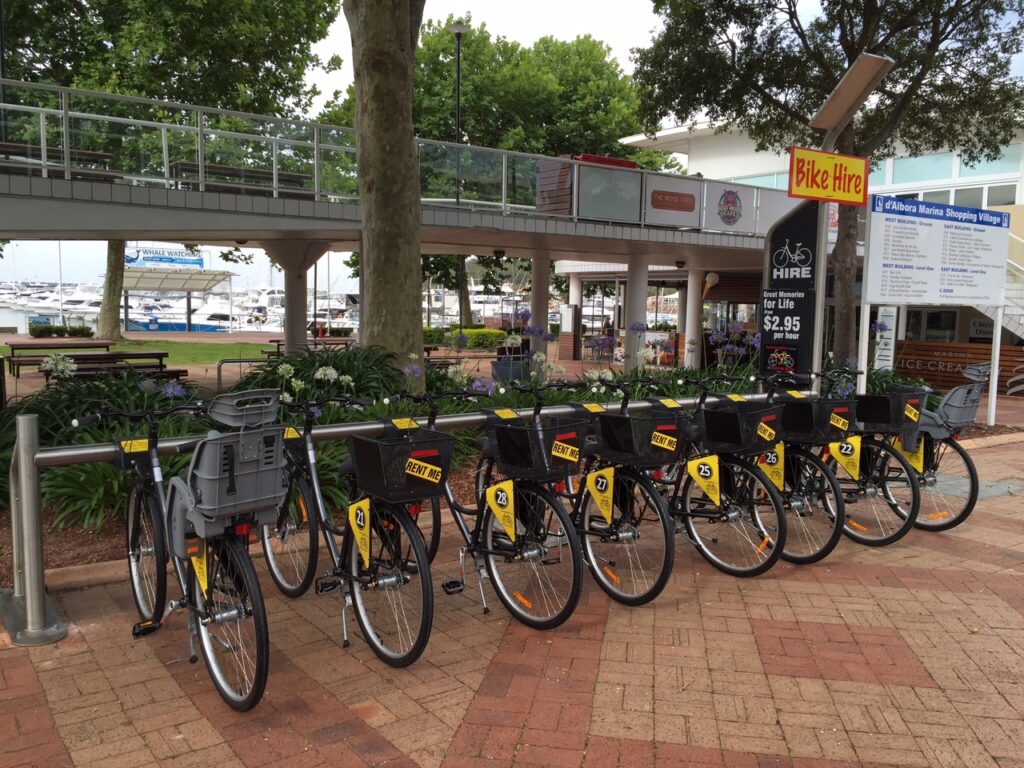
x=330, y=308
x=60, y=278
x=862, y=346
x=231, y=306
x=993, y=382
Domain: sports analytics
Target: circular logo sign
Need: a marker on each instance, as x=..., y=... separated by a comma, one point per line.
x=730, y=207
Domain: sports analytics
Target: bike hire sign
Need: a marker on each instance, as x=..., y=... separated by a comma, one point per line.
x=787, y=305
x=816, y=175
x=931, y=253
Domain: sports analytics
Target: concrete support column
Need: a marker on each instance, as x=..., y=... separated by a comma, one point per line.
x=694, y=306
x=295, y=257
x=636, y=308
x=576, y=290
x=680, y=309
x=540, y=291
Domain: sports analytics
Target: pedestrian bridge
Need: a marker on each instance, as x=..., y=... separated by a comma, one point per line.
x=78, y=164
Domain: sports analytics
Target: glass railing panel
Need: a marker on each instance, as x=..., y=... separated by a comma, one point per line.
x=437, y=173
x=540, y=185
x=338, y=137
x=235, y=165
x=610, y=194
x=338, y=179
x=295, y=168
x=480, y=172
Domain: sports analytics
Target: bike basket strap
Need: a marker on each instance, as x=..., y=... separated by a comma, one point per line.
x=731, y=427
x=237, y=474
x=816, y=421
x=893, y=413
x=546, y=451
x=647, y=440
x=402, y=469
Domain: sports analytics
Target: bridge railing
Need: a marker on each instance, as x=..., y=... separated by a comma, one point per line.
x=70, y=133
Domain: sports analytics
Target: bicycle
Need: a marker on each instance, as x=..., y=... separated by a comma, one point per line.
x=621, y=520
x=783, y=257
x=521, y=538
x=729, y=509
x=809, y=489
x=947, y=477
x=880, y=488
x=381, y=563
x=233, y=482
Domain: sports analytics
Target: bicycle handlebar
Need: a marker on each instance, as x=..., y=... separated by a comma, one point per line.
x=136, y=416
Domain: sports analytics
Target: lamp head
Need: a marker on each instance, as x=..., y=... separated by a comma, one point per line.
x=458, y=28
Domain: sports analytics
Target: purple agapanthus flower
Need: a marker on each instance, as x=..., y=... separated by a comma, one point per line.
x=843, y=389
x=484, y=385
x=317, y=413
x=523, y=315
x=147, y=385
x=461, y=340
x=412, y=370
x=734, y=327
x=879, y=326
x=755, y=340
x=638, y=327
x=604, y=343
x=549, y=337
x=667, y=344
x=173, y=389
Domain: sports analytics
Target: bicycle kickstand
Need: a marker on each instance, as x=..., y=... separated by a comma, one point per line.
x=346, y=601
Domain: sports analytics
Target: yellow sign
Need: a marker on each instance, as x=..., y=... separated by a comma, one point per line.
x=199, y=566
x=135, y=446
x=359, y=520
x=773, y=463
x=816, y=175
x=765, y=432
x=737, y=398
x=594, y=407
x=600, y=485
x=506, y=413
x=501, y=502
x=565, y=451
x=668, y=402
x=659, y=440
x=847, y=455
x=405, y=423
x=839, y=422
x=291, y=433
x=423, y=471
x=704, y=472
x=911, y=412
x=795, y=393
x=916, y=458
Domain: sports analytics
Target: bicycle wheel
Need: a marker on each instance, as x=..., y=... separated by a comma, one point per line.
x=291, y=544
x=882, y=505
x=427, y=516
x=393, y=594
x=538, y=577
x=948, y=486
x=814, y=501
x=630, y=558
x=233, y=623
x=745, y=534
x=147, y=554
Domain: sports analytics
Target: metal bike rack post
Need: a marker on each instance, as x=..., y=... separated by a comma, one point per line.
x=30, y=618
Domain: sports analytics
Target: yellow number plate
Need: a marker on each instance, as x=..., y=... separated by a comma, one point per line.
x=765, y=432
x=506, y=413
x=423, y=471
x=659, y=440
x=594, y=407
x=668, y=402
x=565, y=451
x=737, y=398
x=135, y=446
x=839, y=422
x=795, y=393
x=291, y=433
x=405, y=423
x=359, y=520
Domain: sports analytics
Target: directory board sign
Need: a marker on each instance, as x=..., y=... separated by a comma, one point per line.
x=932, y=253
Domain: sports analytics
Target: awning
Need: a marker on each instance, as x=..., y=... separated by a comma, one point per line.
x=176, y=280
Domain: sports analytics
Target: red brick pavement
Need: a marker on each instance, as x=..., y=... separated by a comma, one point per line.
x=908, y=655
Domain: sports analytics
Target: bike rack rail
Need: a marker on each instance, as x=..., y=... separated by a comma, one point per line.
x=28, y=613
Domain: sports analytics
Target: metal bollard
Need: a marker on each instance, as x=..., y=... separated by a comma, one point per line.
x=17, y=563
x=30, y=618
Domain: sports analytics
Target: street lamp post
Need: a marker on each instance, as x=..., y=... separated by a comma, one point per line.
x=459, y=29
x=833, y=116
x=3, y=74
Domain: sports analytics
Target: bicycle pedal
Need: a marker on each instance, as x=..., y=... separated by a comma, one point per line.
x=143, y=628
x=453, y=586
x=326, y=584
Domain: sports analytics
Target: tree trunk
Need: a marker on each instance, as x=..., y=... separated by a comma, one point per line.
x=107, y=324
x=844, y=268
x=384, y=37
x=465, y=308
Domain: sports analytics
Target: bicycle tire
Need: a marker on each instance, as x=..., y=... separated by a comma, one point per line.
x=648, y=555
x=398, y=570
x=942, y=485
x=233, y=587
x=745, y=534
x=147, y=554
x=523, y=574
x=291, y=544
x=875, y=516
x=778, y=262
x=815, y=505
x=428, y=521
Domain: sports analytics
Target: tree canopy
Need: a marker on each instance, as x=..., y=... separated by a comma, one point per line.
x=765, y=68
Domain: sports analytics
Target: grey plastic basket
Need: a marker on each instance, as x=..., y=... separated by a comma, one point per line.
x=960, y=405
x=240, y=474
x=251, y=408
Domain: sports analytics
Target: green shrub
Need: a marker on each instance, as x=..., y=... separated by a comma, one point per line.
x=663, y=326
x=433, y=335
x=372, y=370
x=484, y=338
x=60, y=331
x=40, y=331
x=454, y=328
x=340, y=332
x=80, y=331
x=556, y=328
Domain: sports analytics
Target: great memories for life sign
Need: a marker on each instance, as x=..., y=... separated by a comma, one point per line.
x=930, y=253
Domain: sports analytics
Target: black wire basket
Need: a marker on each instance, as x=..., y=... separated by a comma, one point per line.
x=896, y=412
x=402, y=469
x=817, y=421
x=546, y=451
x=647, y=440
x=740, y=427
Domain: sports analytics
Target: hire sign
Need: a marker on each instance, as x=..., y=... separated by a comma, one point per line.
x=816, y=175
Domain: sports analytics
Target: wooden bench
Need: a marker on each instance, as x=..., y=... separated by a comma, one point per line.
x=85, y=163
x=97, y=371
x=143, y=361
x=246, y=181
x=314, y=343
x=34, y=352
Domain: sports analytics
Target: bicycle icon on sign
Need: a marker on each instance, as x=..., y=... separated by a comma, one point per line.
x=783, y=257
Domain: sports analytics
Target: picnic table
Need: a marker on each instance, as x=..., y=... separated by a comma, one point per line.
x=86, y=163
x=314, y=343
x=230, y=178
x=35, y=351
x=94, y=364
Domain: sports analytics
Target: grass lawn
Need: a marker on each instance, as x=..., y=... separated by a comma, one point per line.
x=181, y=354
